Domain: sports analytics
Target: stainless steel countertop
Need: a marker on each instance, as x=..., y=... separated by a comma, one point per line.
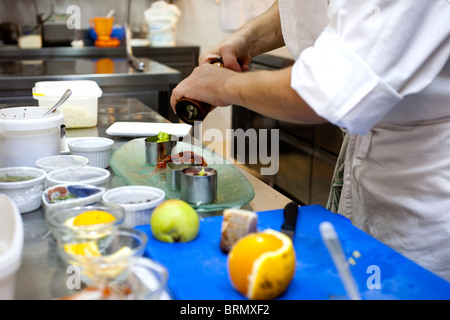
x=12, y=52
x=18, y=74
x=42, y=275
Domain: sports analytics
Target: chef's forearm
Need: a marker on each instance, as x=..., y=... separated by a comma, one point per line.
x=270, y=93
x=263, y=33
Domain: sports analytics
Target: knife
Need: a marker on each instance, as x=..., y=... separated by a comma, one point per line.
x=290, y=219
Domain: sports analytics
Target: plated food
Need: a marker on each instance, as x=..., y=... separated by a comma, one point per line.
x=234, y=190
x=199, y=184
x=158, y=147
x=184, y=157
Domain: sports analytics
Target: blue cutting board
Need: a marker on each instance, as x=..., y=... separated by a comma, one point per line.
x=198, y=269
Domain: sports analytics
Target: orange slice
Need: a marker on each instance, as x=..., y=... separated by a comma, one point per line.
x=262, y=265
x=87, y=249
x=92, y=217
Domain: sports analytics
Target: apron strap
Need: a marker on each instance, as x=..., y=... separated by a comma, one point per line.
x=338, y=176
x=337, y=182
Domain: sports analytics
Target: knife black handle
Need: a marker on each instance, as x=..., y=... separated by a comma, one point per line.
x=290, y=216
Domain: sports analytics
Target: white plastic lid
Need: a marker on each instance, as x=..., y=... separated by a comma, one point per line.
x=29, y=119
x=55, y=89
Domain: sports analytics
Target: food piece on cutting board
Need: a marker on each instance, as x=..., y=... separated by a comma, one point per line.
x=236, y=224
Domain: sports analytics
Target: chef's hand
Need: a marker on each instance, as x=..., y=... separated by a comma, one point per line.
x=206, y=81
x=234, y=51
x=207, y=84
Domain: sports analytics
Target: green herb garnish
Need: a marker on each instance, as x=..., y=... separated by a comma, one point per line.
x=10, y=178
x=163, y=137
x=58, y=199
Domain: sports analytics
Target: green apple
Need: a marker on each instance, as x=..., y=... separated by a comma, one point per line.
x=174, y=220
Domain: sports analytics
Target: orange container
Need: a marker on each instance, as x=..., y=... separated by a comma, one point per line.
x=103, y=27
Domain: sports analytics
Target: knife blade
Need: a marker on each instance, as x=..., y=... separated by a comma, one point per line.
x=290, y=213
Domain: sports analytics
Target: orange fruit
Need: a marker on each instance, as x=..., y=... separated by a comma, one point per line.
x=261, y=265
x=92, y=217
x=88, y=249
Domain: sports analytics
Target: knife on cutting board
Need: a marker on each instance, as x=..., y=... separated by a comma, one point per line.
x=290, y=213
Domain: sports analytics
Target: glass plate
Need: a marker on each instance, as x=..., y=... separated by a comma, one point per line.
x=233, y=188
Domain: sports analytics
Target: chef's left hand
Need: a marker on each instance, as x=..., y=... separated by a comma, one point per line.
x=207, y=84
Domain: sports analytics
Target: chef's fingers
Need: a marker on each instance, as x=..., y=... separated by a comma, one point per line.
x=174, y=99
x=207, y=57
x=230, y=59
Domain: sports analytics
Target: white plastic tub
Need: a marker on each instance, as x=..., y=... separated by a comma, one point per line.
x=11, y=246
x=80, y=110
x=26, y=135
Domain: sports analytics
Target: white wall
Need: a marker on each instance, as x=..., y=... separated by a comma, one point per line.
x=200, y=24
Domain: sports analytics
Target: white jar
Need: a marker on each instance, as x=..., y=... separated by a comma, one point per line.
x=26, y=135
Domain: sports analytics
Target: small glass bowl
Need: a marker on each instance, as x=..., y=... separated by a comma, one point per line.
x=104, y=259
x=147, y=280
x=59, y=222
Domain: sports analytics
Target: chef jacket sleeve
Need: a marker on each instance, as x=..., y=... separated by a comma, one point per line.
x=370, y=56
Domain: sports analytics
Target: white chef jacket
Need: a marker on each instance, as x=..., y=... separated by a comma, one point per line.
x=380, y=69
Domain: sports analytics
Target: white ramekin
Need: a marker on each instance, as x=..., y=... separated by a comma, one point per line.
x=138, y=202
x=79, y=175
x=25, y=194
x=97, y=149
x=61, y=161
